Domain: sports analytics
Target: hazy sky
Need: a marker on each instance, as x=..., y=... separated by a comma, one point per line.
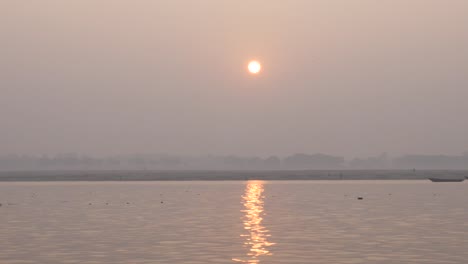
x=350, y=77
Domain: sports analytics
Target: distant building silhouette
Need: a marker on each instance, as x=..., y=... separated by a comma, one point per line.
x=431, y=162
x=315, y=161
x=272, y=163
x=299, y=161
x=371, y=163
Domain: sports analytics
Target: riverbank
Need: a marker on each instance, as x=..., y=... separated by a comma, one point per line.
x=142, y=175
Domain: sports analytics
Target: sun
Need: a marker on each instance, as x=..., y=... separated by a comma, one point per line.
x=254, y=67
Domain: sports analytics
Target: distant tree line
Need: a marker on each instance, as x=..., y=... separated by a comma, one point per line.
x=299, y=161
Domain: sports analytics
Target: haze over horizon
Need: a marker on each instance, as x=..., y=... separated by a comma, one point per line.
x=348, y=78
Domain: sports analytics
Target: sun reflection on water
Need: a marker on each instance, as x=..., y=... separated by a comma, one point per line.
x=256, y=236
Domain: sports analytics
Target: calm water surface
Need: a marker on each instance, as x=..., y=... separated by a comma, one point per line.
x=234, y=222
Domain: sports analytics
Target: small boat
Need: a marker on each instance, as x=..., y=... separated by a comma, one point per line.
x=446, y=180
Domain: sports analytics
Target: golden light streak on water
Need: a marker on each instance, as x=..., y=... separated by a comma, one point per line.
x=256, y=236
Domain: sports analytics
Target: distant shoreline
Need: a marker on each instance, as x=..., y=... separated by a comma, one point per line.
x=212, y=175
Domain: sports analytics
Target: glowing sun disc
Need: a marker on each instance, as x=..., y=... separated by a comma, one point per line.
x=254, y=67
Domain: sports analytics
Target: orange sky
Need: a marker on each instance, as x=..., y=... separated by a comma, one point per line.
x=340, y=77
